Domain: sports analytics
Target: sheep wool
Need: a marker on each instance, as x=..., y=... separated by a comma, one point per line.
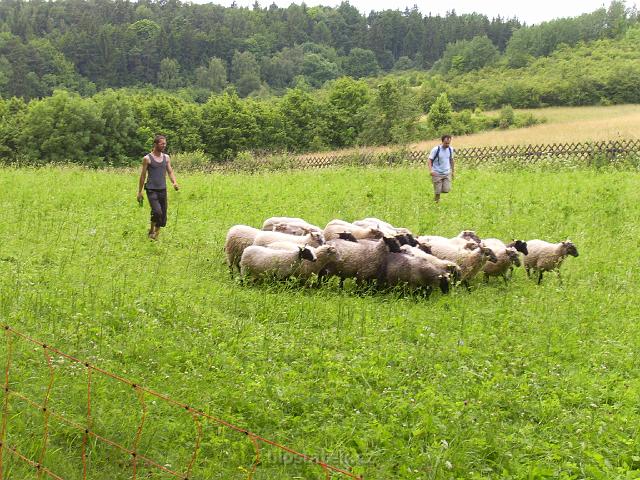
x=544, y=256
x=238, y=238
x=291, y=225
x=414, y=271
x=264, y=238
x=258, y=261
x=360, y=260
x=507, y=257
x=335, y=227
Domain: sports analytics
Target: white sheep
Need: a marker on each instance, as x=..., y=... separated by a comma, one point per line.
x=259, y=262
x=545, y=257
x=238, y=238
x=507, y=256
x=462, y=239
x=335, y=227
x=403, y=235
x=425, y=252
x=414, y=270
x=264, y=238
x=360, y=260
x=470, y=258
x=291, y=225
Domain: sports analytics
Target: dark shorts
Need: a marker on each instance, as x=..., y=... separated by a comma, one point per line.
x=158, y=202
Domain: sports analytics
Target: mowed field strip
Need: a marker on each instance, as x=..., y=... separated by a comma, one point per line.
x=505, y=381
x=563, y=125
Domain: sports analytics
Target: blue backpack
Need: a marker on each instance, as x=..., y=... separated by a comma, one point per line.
x=437, y=157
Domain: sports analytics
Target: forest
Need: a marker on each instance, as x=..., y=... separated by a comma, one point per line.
x=91, y=82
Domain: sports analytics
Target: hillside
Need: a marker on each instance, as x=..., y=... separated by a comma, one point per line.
x=563, y=125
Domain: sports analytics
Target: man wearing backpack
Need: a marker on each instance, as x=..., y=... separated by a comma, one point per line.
x=441, y=167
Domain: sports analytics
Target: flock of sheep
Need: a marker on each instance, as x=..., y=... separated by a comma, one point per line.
x=371, y=250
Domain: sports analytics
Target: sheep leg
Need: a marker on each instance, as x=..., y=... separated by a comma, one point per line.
x=540, y=277
x=506, y=280
x=486, y=278
x=559, y=277
x=466, y=285
x=528, y=270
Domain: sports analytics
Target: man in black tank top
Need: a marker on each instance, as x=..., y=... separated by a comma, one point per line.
x=155, y=166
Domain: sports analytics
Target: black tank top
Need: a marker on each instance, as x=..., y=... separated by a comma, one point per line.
x=156, y=174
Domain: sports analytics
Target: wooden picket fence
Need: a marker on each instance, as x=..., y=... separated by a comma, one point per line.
x=585, y=151
x=590, y=153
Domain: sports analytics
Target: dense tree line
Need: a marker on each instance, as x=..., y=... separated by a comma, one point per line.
x=98, y=44
x=55, y=104
x=92, y=45
x=604, y=71
x=114, y=127
x=528, y=43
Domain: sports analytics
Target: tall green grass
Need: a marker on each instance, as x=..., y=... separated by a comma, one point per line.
x=517, y=381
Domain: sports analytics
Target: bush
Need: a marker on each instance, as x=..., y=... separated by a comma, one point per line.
x=507, y=117
x=196, y=160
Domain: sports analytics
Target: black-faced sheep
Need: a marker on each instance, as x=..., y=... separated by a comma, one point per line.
x=424, y=251
x=415, y=271
x=545, y=257
x=403, y=235
x=290, y=225
x=335, y=227
x=360, y=260
x=461, y=239
x=280, y=263
x=507, y=256
x=470, y=258
x=264, y=238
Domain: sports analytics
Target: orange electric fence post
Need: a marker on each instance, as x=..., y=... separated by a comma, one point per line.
x=87, y=432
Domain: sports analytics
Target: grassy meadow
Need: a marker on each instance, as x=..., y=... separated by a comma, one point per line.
x=517, y=381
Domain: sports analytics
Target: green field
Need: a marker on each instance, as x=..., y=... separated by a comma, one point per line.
x=517, y=381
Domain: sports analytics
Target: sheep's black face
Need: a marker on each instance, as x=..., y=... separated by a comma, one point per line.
x=571, y=249
x=401, y=238
x=470, y=235
x=306, y=254
x=424, y=248
x=490, y=255
x=348, y=236
x=410, y=239
x=392, y=244
x=376, y=233
x=521, y=246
